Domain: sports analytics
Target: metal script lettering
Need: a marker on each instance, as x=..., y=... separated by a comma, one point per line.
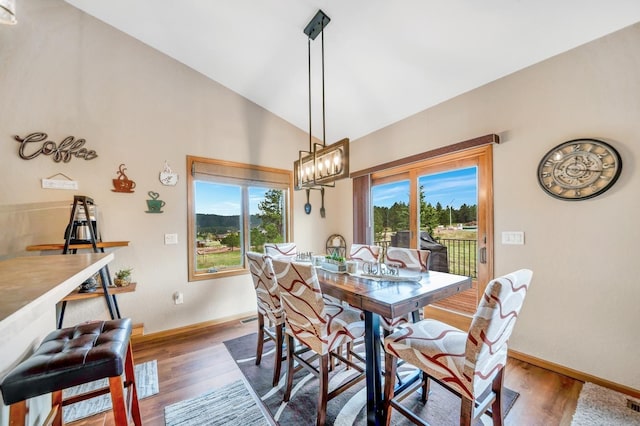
x=65, y=151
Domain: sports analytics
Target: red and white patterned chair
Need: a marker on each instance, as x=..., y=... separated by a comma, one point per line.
x=465, y=363
x=323, y=328
x=409, y=259
x=269, y=306
x=281, y=250
x=364, y=253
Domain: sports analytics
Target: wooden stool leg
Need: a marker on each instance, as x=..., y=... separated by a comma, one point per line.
x=117, y=400
x=56, y=407
x=133, y=388
x=17, y=413
x=116, y=387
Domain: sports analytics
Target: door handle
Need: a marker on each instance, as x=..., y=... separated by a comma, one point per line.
x=483, y=255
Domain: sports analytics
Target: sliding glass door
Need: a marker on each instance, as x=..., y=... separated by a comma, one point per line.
x=444, y=205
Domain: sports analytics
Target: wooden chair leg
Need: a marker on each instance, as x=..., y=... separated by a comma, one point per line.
x=134, y=404
x=324, y=389
x=496, y=407
x=466, y=412
x=390, y=364
x=290, y=350
x=117, y=399
x=18, y=413
x=426, y=382
x=278, y=356
x=260, y=338
x=56, y=403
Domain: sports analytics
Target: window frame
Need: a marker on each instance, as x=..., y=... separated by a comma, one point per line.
x=245, y=175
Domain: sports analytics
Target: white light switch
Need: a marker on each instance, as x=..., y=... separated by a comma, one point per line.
x=170, y=239
x=513, y=237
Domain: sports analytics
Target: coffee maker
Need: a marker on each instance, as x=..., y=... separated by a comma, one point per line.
x=77, y=230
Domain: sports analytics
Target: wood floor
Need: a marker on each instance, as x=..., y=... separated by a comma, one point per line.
x=198, y=362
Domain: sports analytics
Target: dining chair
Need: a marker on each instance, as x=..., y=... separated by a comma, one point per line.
x=276, y=250
x=406, y=259
x=364, y=253
x=467, y=364
x=317, y=326
x=269, y=306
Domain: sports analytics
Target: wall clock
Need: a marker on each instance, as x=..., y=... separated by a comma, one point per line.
x=579, y=169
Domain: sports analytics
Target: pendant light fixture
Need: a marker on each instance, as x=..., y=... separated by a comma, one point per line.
x=8, y=12
x=323, y=164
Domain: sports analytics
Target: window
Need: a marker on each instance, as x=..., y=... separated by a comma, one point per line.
x=233, y=208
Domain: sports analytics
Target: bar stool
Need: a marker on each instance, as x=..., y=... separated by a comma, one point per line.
x=72, y=356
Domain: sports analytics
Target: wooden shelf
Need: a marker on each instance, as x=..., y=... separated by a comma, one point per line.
x=60, y=246
x=75, y=295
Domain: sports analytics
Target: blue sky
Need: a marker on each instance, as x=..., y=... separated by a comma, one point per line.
x=224, y=199
x=454, y=187
x=457, y=185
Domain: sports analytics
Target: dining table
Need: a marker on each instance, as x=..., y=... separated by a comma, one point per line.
x=391, y=297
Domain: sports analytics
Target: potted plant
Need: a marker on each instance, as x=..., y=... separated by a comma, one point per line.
x=334, y=263
x=123, y=277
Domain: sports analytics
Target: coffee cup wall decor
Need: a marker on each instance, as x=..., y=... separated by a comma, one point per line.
x=154, y=205
x=123, y=183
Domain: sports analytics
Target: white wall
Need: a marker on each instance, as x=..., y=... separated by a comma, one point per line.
x=64, y=73
x=582, y=311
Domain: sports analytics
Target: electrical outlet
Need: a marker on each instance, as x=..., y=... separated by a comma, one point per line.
x=170, y=239
x=513, y=237
x=178, y=298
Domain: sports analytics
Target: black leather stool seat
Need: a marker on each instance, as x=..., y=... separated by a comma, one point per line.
x=69, y=357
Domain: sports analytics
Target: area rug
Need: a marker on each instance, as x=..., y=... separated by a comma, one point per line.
x=599, y=406
x=231, y=405
x=442, y=408
x=146, y=383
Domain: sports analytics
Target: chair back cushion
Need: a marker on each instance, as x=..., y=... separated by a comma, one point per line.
x=276, y=250
x=364, y=253
x=407, y=258
x=320, y=327
x=491, y=327
x=266, y=286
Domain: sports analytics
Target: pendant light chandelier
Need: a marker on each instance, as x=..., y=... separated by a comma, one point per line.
x=8, y=12
x=323, y=164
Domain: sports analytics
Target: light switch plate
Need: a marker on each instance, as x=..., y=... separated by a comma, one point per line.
x=513, y=237
x=170, y=239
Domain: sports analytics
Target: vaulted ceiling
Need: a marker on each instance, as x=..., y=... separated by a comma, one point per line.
x=384, y=60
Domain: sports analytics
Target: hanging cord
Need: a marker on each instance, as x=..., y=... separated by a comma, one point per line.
x=309, y=59
x=324, y=139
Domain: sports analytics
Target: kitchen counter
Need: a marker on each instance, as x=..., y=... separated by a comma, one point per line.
x=30, y=288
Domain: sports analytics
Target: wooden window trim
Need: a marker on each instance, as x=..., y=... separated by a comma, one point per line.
x=239, y=172
x=456, y=147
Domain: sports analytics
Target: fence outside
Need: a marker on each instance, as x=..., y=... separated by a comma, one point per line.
x=462, y=256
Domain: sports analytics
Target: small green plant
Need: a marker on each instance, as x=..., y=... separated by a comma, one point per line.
x=124, y=273
x=335, y=257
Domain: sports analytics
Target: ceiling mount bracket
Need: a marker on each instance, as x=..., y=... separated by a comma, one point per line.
x=316, y=25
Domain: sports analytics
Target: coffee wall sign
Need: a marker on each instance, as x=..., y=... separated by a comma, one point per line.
x=122, y=183
x=35, y=144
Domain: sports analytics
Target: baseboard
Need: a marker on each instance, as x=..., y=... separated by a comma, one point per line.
x=574, y=374
x=190, y=328
x=137, y=330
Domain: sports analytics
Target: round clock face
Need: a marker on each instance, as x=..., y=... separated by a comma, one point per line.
x=579, y=169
